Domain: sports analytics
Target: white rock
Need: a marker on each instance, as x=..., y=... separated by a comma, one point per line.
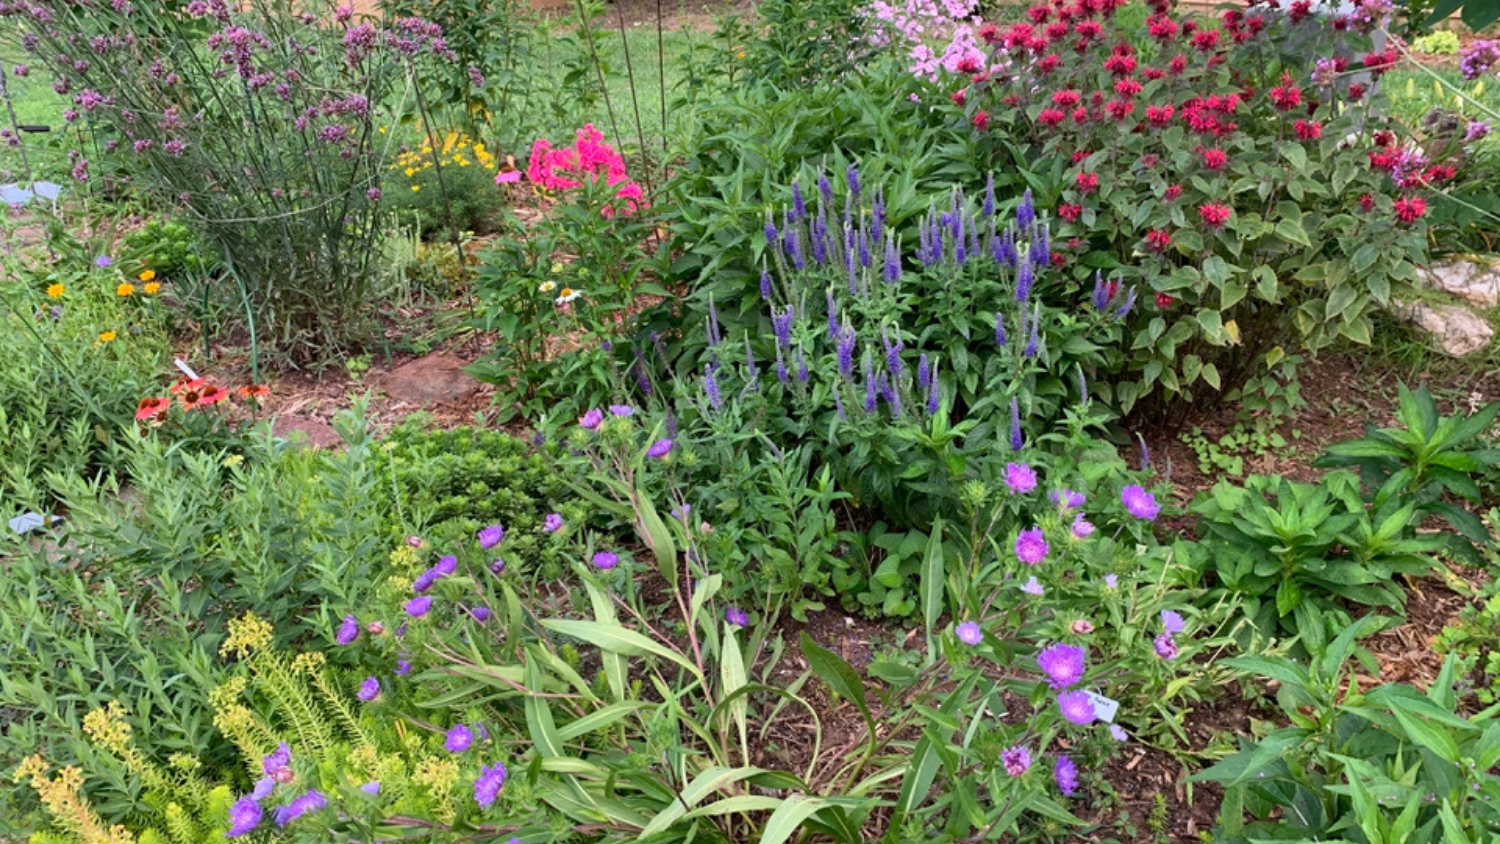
x=1473, y=280
x=1457, y=330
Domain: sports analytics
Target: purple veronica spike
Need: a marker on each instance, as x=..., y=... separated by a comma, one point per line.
x=1062, y=663
x=847, y=340
x=864, y=246
x=765, y=284
x=487, y=786
x=309, y=802
x=1065, y=774
x=370, y=689
x=892, y=262
x=1140, y=503
x=888, y=392
x=244, y=816
x=871, y=386
x=1031, y=546
x=988, y=209
x=877, y=211
x=852, y=177
x=606, y=560
x=458, y=739
x=802, y=373
x=711, y=388
x=1077, y=707
x=1172, y=622
x=1041, y=247
x=833, y=317
x=1017, y=760
x=1145, y=455
x=1101, y=292
x=838, y=404
x=893, y=354
x=1033, y=339
x=714, y=338
x=1017, y=439
x=771, y=233
x=969, y=632
x=793, y=244
x=1124, y=309
x=924, y=372
x=799, y=206
x=825, y=188
x=932, y=395
x=348, y=631
x=851, y=271
x=1020, y=477
x=1000, y=339
x=819, y=237
x=781, y=374
x=960, y=240
x=781, y=322
x=737, y=617
x=490, y=536
x=1025, y=275
x=1026, y=211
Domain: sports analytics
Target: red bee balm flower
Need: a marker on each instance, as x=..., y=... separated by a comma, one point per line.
x=1069, y=212
x=1214, y=159
x=960, y=96
x=1087, y=182
x=1163, y=301
x=1214, y=215
x=1286, y=96
x=1309, y=130
x=1158, y=239
x=152, y=406
x=1367, y=202
x=1409, y=209
x=1051, y=117
x=1173, y=192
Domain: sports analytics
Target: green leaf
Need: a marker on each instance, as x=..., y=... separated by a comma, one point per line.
x=839, y=675
x=787, y=819
x=1291, y=230
x=612, y=638
x=933, y=586
x=732, y=678
x=1295, y=154
x=1437, y=740
x=712, y=780
x=1288, y=596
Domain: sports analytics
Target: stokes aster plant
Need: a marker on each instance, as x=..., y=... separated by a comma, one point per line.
x=1238, y=170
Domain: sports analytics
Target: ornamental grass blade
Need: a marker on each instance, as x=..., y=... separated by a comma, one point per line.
x=839, y=675
x=614, y=639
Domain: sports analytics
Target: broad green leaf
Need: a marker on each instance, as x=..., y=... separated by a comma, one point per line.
x=615, y=639
x=933, y=586
x=839, y=675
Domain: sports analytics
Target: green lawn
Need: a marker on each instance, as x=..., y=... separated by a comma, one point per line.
x=1413, y=93
x=35, y=104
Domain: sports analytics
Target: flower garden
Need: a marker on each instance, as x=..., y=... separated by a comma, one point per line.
x=820, y=421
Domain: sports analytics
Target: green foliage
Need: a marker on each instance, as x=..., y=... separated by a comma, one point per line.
x=1386, y=766
x=460, y=200
x=1441, y=43
x=1227, y=454
x=171, y=249
x=446, y=484
x=807, y=43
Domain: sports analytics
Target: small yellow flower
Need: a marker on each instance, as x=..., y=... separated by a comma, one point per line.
x=55, y=291
x=233, y=460
x=415, y=188
x=152, y=288
x=547, y=287
x=410, y=171
x=740, y=54
x=125, y=289
x=147, y=275
x=107, y=336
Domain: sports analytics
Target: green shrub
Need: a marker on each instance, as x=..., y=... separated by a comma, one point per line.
x=1441, y=43
x=463, y=198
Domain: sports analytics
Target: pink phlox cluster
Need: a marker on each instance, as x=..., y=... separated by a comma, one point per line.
x=558, y=169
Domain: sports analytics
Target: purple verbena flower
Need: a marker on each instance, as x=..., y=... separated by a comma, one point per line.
x=1020, y=478
x=969, y=632
x=370, y=689
x=1065, y=774
x=348, y=631
x=1031, y=546
x=1063, y=664
x=1140, y=503
x=1076, y=707
x=458, y=739
x=487, y=786
x=490, y=536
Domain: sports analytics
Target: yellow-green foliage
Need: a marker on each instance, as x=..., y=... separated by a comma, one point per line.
x=1441, y=43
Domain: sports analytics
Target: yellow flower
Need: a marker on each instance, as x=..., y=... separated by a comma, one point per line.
x=415, y=188
x=410, y=171
x=151, y=288
x=147, y=275
x=107, y=336
x=55, y=291
x=740, y=54
x=547, y=287
x=125, y=289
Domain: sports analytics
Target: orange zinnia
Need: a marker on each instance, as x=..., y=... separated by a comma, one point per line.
x=152, y=406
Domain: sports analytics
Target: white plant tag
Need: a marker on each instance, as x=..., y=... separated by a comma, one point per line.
x=1103, y=706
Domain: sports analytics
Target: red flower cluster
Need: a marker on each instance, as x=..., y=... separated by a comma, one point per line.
x=1409, y=209
x=193, y=394
x=1157, y=240
x=1214, y=214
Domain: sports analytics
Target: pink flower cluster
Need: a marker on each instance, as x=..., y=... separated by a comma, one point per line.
x=559, y=169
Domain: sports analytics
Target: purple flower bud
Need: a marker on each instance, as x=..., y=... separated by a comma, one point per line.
x=481, y=614
x=369, y=690
x=553, y=523
x=348, y=631
x=799, y=206
x=1016, y=760
x=1166, y=646
x=1017, y=440
x=403, y=667
x=737, y=617
x=771, y=233
x=1033, y=587
x=659, y=449
x=802, y=373
x=621, y=410
x=497, y=566
x=1000, y=339
x=852, y=177
x=765, y=285
x=924, y=372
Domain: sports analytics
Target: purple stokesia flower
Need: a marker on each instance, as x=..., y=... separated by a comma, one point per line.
x=1065, y=774
x=1016, y=760
x=592, y=420
x=446, y=565
x=425, y=580
x=348, y=631
x=403, y=668
x=244, y=816
x=1033, y=587
x=104, y=262
x=737, y=617
x=969, y=632
x=1118, y=733
x=371, y=788
x=1067, y=499
x=1140, y=503
x=1077, y=707
x=1020, y=478
x=487, y=786
x=263, y=788
x=605, y=560
x=1172, y=622
x=1031, y=546
x=418, y=607
x=458, y=739
x=553, y=523
x=1063, y=664
x=621, y=410
x=659, y=449
x=278, y=763
x=481, y=614
x=1166, y=646
x=312, y=801
x=490, y=536
x=370, y=689
x=1082, y=528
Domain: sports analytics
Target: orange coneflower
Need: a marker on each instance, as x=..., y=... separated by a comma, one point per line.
x=152, y=406
x=190, y=399
x=212, y=394
x=185, y=384
x=253, y=391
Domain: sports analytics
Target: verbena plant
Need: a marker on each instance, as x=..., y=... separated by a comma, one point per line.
x=259, y=124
